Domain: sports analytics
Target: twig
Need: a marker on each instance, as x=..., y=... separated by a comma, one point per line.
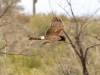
x=71, y=43
x=83, y=28
x=63, y=9
x=87, y=49
x=3, y=47
x=69, y=3
x=5, y=42
x=96, y=37
x=51, y=7
x=4, y=11
x=14, y=54
x=6, y=23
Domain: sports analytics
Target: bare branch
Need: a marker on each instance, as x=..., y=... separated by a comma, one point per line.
x=69, y=3
x=4, y=11
x=93, y=46
x=3, y=47
x=87, y=49
x=14, y=54
x=79, y=45
x=63, y=9
x=72, y=12
x=51, y=6
x=6, y=23
x=95, y=37
x=77, y=29
x=5, y=42
x=71, y=43
x=90, y=18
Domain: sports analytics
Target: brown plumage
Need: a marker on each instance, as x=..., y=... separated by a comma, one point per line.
x=53, y=33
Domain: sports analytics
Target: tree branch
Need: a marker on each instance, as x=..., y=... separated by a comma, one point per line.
x=14, y=54
x=63, y=9
x=73, y=46
x=3, y=47
x=69, y=3
x=87, y=49
x=95, y=37
x=83, y=28
x=79, y=45
x=5, y=42
x=6, y=23
x=4, y=11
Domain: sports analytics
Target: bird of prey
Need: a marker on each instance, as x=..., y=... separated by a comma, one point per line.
x=53, y=33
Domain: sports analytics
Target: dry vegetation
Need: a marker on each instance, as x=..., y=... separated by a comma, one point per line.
x=22, y=56
x=19, y=56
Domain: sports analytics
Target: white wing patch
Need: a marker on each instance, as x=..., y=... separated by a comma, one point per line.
x=42, y=37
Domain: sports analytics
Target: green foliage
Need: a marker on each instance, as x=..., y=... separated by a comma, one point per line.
x=40, y=23
x=34, y=62
x=2, y=44
x=30, y=62
x=23, y=18
x=93, y=28
x=52, y=58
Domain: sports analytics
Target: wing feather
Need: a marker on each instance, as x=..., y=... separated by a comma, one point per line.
x=56, y=27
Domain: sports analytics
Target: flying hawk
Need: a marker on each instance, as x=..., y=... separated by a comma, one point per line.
x=53, y=33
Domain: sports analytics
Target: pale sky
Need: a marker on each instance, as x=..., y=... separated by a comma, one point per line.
x=80, y=7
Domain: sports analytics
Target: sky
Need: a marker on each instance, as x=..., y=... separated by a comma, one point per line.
x=80, y=7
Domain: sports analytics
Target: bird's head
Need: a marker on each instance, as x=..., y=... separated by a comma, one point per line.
x=62, y=38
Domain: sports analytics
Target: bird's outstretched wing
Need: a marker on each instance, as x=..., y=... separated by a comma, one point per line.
x=56, y=27
x=53, y=32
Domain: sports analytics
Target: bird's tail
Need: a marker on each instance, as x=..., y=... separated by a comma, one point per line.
x=37, y=38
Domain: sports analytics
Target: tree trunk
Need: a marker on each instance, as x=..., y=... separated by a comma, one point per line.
x=85, y=72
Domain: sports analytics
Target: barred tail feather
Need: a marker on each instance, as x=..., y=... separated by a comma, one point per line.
x=37, y=38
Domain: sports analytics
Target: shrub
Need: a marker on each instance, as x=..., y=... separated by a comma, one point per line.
x=24, y=61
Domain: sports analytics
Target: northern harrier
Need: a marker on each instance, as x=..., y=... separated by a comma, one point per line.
x=53, y=33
